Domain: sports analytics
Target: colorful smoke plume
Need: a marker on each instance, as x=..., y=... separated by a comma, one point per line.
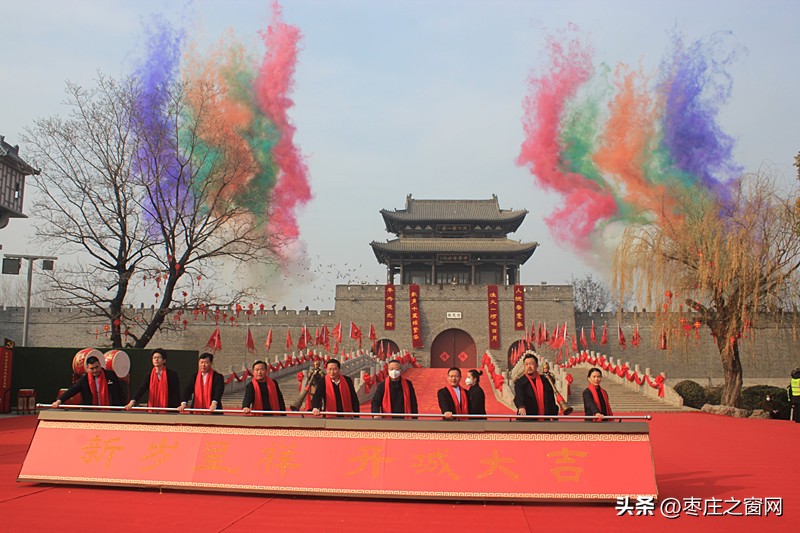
x=248, y=118
x=619, y=144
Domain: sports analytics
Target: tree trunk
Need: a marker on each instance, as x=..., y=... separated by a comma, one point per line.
x=732, y=368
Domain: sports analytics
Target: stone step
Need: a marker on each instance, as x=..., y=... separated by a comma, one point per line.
x=624, y=399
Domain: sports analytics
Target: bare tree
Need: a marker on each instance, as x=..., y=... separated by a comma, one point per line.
x=590, y=294
x=727, y=260
x=154, y=186
x=196, y=180
x=87, y=201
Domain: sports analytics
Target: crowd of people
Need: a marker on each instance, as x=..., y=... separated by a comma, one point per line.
x=534, y=392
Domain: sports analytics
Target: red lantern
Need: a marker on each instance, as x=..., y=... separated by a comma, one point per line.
x=185, y=323
x=117, y=322
x=106, y=327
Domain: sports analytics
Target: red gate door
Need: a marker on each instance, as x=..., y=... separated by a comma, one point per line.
x=453, y=347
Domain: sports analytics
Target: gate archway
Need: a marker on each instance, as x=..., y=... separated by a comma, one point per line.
x=387, y=347
x=453, y=347
x=516, y=350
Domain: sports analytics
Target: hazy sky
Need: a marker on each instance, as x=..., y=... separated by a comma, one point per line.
x=399, y=97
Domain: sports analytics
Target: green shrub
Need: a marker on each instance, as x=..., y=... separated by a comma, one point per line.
x=714, y=394
x=692, y=393
x=755, y=397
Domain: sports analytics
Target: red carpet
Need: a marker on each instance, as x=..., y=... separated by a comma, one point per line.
x=696, y=455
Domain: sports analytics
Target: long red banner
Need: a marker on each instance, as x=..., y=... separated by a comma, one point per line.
x=490, y=465
x=494, y=318
x=519, y=308
x=413, y=300
x=388, y=307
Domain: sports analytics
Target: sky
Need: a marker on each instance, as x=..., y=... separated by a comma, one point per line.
x=409, y=97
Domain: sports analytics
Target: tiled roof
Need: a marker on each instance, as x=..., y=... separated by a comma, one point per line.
x=453, y=210
x=433, y=245
x=12, y=154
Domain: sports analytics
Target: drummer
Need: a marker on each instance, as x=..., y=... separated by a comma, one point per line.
x=97, y=387
x=161, y=384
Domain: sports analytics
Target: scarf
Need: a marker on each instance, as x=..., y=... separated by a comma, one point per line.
x=386, y=406
x=461, y=408
x=593, y=390
x=99, y=397
x=538, y=392
x=202, y=394
x=158, y=389
x=344, y=391
x=272, y=392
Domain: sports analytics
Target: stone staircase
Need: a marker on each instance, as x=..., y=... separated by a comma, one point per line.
x=623, y=400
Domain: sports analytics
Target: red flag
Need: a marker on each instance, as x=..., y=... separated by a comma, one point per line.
x=326, y=341
x=381, y=353
x=355, y=333
x=301, y=342
x=574, y=343
x=317, y=337
x=372, y=335
x=269, y=340
x=308, y=335
x=636, y=339
x=337, y=333
x=215, y=341
x=584, y=344
x=604, y=338
x=289, y=342
x=249, y=343
x=623, y=344
x=592, y=334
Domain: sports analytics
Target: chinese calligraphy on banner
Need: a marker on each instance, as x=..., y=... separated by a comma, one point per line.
x=494, y=319
x=413, y=300
x=388, y=307
x=519, y=308
x=486, y=465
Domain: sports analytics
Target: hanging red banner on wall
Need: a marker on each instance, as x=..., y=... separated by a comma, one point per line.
x=494, y=318
x=413, y=300
x=519, y=308
x=388, y=307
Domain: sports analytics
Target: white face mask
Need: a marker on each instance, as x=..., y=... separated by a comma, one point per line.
x=468, y=381
x=394, y=374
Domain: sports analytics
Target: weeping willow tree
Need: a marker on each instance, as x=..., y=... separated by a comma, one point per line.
x=728, y=260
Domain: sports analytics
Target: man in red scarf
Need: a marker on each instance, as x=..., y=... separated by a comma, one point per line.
x=161, y=384
x=97, y=387
x=453, y=398
x=336, y=392
x=533, y=394
x=595, y=397
x=205, y=388
x=395, y=394
x=262, y=393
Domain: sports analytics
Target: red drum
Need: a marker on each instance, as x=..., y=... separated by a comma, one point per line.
x=78, y=362
x=119, y=362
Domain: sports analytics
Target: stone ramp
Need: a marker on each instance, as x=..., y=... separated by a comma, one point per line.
x=623, y=399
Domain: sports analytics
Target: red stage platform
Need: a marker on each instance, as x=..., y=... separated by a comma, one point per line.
x=696, y=456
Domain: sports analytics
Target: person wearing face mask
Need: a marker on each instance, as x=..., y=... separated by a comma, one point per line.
x=595, y=398
x=395, y=394
x=453, y=397
x=475, y=396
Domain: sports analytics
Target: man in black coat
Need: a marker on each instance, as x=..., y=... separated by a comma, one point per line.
x=196, y=389
x=335, y=392
x=533, y=394
x=159, y=372
x=397, y=402
x=263, y=401
x=453, y=398
x=104, y=389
